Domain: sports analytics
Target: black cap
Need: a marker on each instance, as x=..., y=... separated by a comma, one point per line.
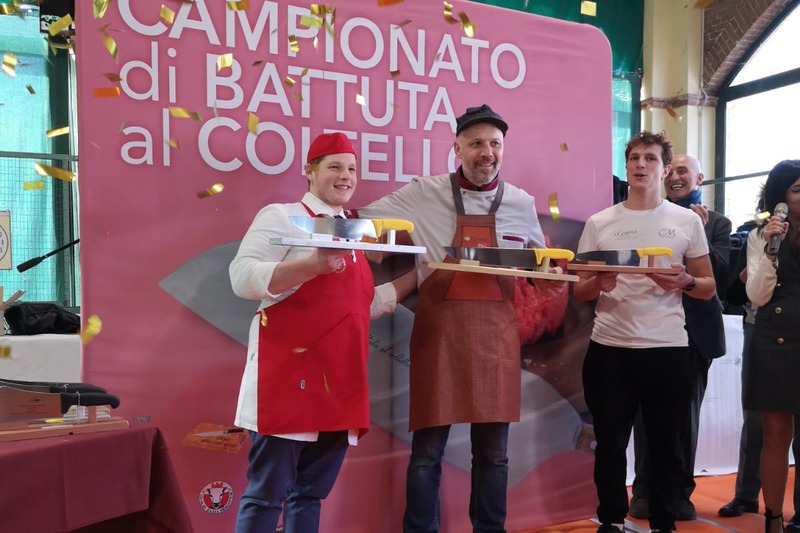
x=476, y=115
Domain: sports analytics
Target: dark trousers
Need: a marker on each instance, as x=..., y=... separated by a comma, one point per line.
x=748, y=475
x=291, y=474
x=641, y=464
x=617, y=383
x=487, y=504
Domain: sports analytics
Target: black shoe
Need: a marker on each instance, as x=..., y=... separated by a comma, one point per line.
x=737, y=507
x=794, y=523
x=639, y=508
x=609, y=528
x=686, y=511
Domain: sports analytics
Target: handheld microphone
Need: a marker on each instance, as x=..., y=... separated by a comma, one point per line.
x=782, y=212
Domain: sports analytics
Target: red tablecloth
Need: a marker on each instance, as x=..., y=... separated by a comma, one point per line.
x=116, y=481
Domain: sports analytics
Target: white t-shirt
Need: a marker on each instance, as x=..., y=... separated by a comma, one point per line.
x=638, y=313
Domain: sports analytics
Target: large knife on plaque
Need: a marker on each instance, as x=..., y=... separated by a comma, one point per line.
x=350, y=234
x=506, y=261
x=50, y=386
x=633, y=261
x=19, y=405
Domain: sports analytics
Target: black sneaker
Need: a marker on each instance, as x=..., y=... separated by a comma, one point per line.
x=686, y=511
x=610, y=528
x=794, y=523
x=737, y=507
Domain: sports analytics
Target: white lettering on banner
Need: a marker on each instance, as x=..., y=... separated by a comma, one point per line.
x=358, y=56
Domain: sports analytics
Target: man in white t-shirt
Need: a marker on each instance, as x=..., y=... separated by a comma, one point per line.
x=639, y=353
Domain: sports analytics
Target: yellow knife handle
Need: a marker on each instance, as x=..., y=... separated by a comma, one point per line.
x=387, y=224
x=552, y=253
x=654, y=251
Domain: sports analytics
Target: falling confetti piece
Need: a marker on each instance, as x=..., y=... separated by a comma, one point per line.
x=10, y=64
x=211, y=191
x=106, y=92
x=196, y=116
x=7, y=9
x=224, y=61
x=112, y=77
x=316, y=42
x=448, y=13
x=395, y=73
x=466, y=25
x=166, y=14
x=298, y=96
x=564, y=147
x=173, y=143
x=110, y=44
x=30, y=89
x=360, y=100
x=55, y=132
x=764, y=215
x=263, y=318
x=99, y=7
x=383, y=3
x=180, y=112
x=294, y=46
x=61, y=24
x=54, y=172
x=288, y=81
x=35, y=185
x=252, y=123
x=589, y=9
x=702, y=4
x=311, y=22
x=241, y=5
x=93, y=326
x=299, y=350
x=5, y=351
x=555, y=213
x=671, y=112
x=257, y=63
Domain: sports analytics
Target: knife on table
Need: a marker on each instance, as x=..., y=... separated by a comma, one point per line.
x=509, y=257
x=24, y=405
x=50, y=386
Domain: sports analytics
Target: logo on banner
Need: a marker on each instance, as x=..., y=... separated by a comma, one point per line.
x=216, y=497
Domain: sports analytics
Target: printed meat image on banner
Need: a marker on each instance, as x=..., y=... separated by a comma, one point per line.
x=196, y=116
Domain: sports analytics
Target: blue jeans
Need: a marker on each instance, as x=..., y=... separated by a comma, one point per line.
x=291, y=474
x=487, y=505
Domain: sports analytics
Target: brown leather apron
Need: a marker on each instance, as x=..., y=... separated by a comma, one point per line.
x=465, y=352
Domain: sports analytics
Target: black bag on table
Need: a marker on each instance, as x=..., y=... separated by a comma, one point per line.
x=33, y=318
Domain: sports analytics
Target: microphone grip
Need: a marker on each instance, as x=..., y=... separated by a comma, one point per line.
x=774, y=244
x=30, y=263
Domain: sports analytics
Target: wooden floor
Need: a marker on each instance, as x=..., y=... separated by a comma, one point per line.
x=712, y=493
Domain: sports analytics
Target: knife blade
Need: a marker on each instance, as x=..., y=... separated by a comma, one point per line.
x=353, y=229
x=50, y=386
x=218, y=432
x=508, y=257
x=18, y=404
x=624, y=257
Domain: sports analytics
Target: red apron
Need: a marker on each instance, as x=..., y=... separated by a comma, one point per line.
x=312, y=355
x=465, y=351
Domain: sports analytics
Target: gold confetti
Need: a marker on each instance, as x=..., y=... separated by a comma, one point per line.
x=294, y=46
x=166, y=14
x=764, y=215
x=121, y=127
x=106, y=92
x=360, y=100
x=303, y=73
x=7, y=9
x=99, y=7
x=196, y=116
x=54, y=172
x=555, y=214
x=466, y=25
x=5, y=351
x=30, y=89
x=112, y=77
x=173, y=143
x=180, y=112
x=93, y=326
x=241, y=5
x=299, y=350
x=564, y=147
x=252, y=123
x=311, y=22
x=395, y=73
x=383, y=3
x=448, y=13
x=316, y=42
x=211, y=191
x=10, y=64
x=55, y=132
x=61, y=24
x=257, y=63
x=298, y=96
x=263, y=318
x=702, y=4
x=224, y=61
x=34, y=185
x=288, y=81
x=110, y=44
x=589, y=9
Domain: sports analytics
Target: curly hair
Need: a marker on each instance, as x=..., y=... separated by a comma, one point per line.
x=780, y=178
x=647, y=138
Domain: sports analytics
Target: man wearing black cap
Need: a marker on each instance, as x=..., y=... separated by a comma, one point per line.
x=465, y=348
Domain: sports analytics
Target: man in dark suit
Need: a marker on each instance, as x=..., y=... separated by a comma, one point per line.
x=704, y=325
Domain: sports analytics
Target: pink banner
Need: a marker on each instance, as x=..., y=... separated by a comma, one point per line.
x=208, y=94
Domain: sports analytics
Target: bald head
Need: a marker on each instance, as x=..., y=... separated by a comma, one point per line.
x=684, y=177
